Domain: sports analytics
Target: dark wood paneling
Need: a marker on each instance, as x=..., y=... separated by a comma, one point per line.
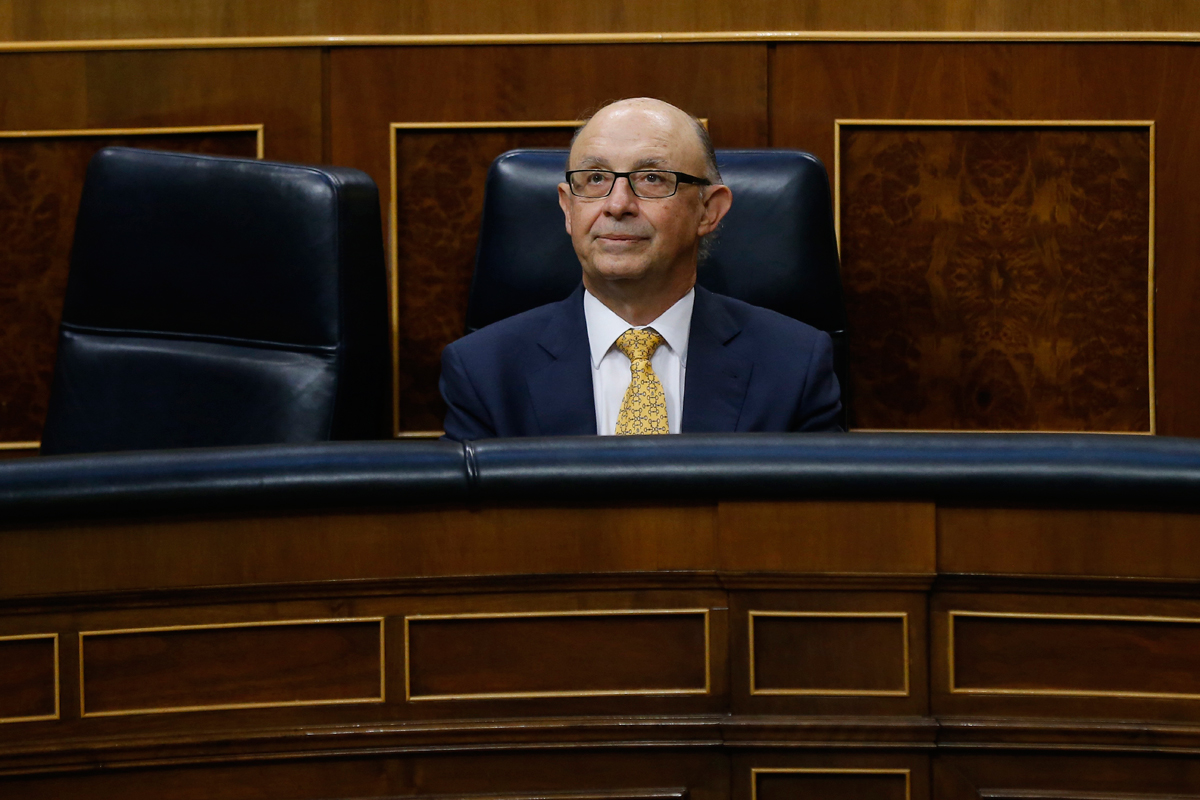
x=1086, y=655
x=41, y=180
x=888, y=538
x=1068, y=542
x=174, y=670
x=28, y=688
x=372, y=88
x=440, y=178
x=812, y=85
x=625, y=653
x=86, y=19
x=829, y=653
x=454, y=542
x=827, y=784
x=997, y=277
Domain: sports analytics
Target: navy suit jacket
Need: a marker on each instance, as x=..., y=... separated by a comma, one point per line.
x=748, y=369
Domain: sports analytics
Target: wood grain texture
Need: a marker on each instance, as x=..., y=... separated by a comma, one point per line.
x=997, y=277
x=41, y=180
x=831, y=785
x=857, y=538
x=155, y=671
x=1091, y=655
x=28, y=688
x=80, y=19
x=618, y=654
x=1075, y=542
x=440, y=173
x=440, y=178
x=835, y=654
x=812, y=85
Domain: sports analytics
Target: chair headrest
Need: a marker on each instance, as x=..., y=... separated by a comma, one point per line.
x=776, y=247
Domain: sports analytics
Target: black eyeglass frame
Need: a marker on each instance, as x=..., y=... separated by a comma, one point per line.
x=680, y=177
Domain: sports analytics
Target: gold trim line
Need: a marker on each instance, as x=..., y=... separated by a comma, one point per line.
x=633, y=37
x=57, y=682
x=622, y=612
x=901, y=615
x=83, y=712
x=1063, y=692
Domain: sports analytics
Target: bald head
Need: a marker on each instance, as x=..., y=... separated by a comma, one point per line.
x=682, y=125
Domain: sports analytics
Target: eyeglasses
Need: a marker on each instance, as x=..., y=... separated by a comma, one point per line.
x=648, y=184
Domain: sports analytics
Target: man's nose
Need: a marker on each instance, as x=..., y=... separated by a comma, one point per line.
x=621, y=200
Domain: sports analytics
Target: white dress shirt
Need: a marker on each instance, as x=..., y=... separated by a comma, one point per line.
x=610, y=367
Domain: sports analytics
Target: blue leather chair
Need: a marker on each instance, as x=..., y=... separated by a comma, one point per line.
x=220, y=301
x=776, y=248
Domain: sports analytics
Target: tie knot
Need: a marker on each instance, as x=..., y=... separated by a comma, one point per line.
x=639, y=345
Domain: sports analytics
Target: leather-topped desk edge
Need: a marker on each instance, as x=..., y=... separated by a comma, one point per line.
x=1105, y=470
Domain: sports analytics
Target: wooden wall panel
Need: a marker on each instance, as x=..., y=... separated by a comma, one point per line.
x=91, y=19
x=189, y=668
x=996, y=276
x=439, y=179
x=557, y=655
x=41, y=179
x=813, y=85
x=372, y=88
x=28, y=678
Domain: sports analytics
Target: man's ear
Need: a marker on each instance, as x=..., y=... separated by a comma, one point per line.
x=564, y=202
x=716, y=206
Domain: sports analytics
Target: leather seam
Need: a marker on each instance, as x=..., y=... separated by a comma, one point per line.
x=326, y=349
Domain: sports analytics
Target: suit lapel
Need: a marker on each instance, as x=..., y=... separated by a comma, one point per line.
x=716, y=380
x=561, y=388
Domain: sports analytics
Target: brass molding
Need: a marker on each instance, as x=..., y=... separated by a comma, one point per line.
x=704, y=612
x=57, y=684
x=954, y=689
x=393, y=274
x=83, y=712
x=20, y=445
x=901, y=615
x=1149, y=124
x=633, y=37
x=756, y=771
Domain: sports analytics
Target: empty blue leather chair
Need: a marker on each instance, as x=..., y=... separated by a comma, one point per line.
x=221, y=301
x=776, y=248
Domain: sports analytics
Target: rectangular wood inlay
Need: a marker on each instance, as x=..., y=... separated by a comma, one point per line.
x=1074, y=655
x=998, y=276
x=830, y=784
x=28, y=677
x=189, y=668
x=829, y=653
x=557, y=654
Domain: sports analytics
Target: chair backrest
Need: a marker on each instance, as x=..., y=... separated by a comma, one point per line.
x=776, y=248
x=220, y=301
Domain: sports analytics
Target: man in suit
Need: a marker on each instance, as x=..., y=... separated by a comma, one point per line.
x=639, y=348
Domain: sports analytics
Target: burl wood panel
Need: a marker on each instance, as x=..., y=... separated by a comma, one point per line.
x=1075, y=656
x=28, y=689
x=997, y=277
x=632, y=653
x=153, y=671
x=829, y=653
x=1078, y=542
x=440, y=174
x=440, y=178
x=815, y=783
x=812, y=85
x=41, y=180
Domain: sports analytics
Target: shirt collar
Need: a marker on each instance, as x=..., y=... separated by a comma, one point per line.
x=604, y=326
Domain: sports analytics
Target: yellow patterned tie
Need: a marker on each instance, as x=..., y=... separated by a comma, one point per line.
x=644, y=409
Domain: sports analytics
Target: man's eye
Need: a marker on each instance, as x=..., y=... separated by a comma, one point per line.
x=595, y=177
x=652, y=177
